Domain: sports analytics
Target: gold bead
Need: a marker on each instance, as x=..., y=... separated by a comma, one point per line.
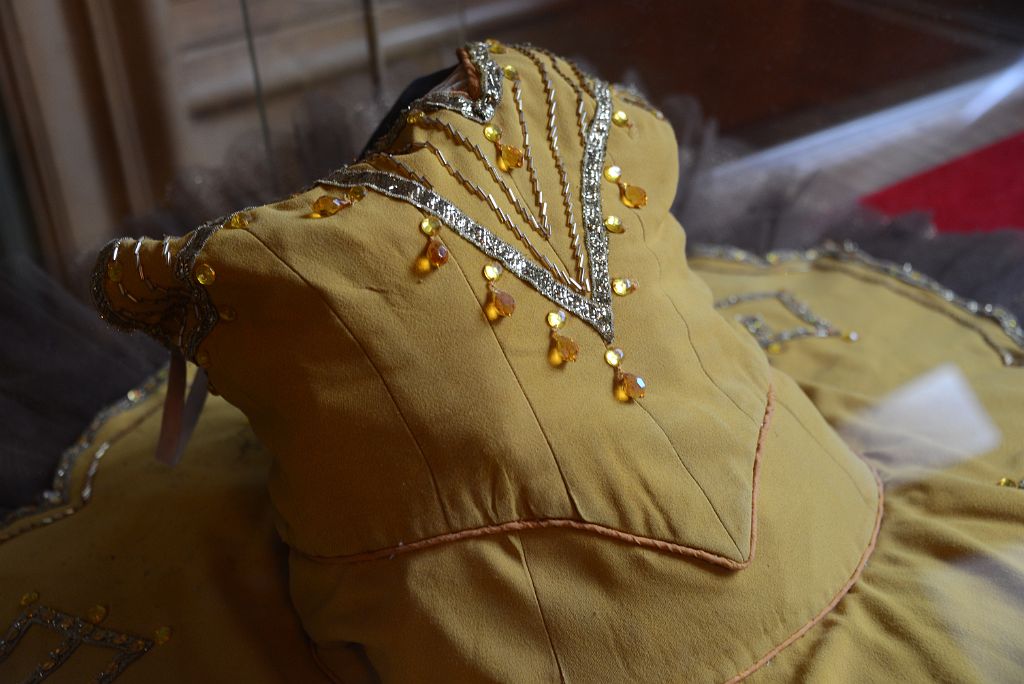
x=565, y=349
x=204, y=274
x=510, y=72
x=511, y=158
x=161, y=635
x=556, y=319
x=96, y=614
x=137, y=646
x=492, y=132
x=414, y=117
x=500, y=304
x=203, y=359
x=430, y=225
x=239, y=220
x=493, y=271
x=437, y=252
x=613, y=357
x=632, y=196
x=356, y=193
x=495, y=47
x=1007, y=482
x=620, y=118
x=114, y=272
x=614, y=224
x=47, y=665
x=121, y=639
x=774, y=348
x=325, y=205
x=228, y=313
x=28, y=598
x=612, y=173
x=623, y=286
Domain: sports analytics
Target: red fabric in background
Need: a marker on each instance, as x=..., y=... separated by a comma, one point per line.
x=982, y=190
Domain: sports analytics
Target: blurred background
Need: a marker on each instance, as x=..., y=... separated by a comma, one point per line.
x=115, y=113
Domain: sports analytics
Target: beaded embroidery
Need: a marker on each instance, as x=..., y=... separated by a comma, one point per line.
x=905, y=273
x=75, y=632
x=595, y=310
x=773, y=341
x=56, y=503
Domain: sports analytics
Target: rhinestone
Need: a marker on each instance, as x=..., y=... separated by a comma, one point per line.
x=612, y=173
x=613, y=357
x=632, y=196
x=414, y=117
x=162, y=635
x=228, y=313
x=623, y=286
x=121, y=639
x=1007, y=482
x=493, y=271
x=430, y=225
x=96, y=614
x=203, y=359
x=29, y=597
x=325, y=205
x=492, y=132
x=556, y=319
x=356, y=193
x=620, y=118
x=47, y=665
x=851, y=336
x=239, y=220
x=614, y=224
x=137, y=646
x=510, y=72
x=114, y=272
x=494, y=46
x=204, y=274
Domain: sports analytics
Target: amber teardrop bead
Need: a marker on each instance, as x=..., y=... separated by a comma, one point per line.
x=437, y=252
x=501, y=303
x=511, y=157
x=326, y=205
x=565, y=347
x=631, y=386
x=633, y=196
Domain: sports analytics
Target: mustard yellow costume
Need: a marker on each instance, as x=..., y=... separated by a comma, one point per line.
x=515, y=436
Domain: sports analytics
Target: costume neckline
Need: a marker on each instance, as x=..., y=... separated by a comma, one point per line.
x=595, y=310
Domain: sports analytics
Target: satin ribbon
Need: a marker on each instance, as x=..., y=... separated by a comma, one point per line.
x=180, y=414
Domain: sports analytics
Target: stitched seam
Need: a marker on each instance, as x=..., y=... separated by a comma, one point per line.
x=384, y=384
x=627, y=537
x=522, y=390
x=540, y=609
x=686, y=325
x=842, y=467
x=699, y=487
x=857, y=571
